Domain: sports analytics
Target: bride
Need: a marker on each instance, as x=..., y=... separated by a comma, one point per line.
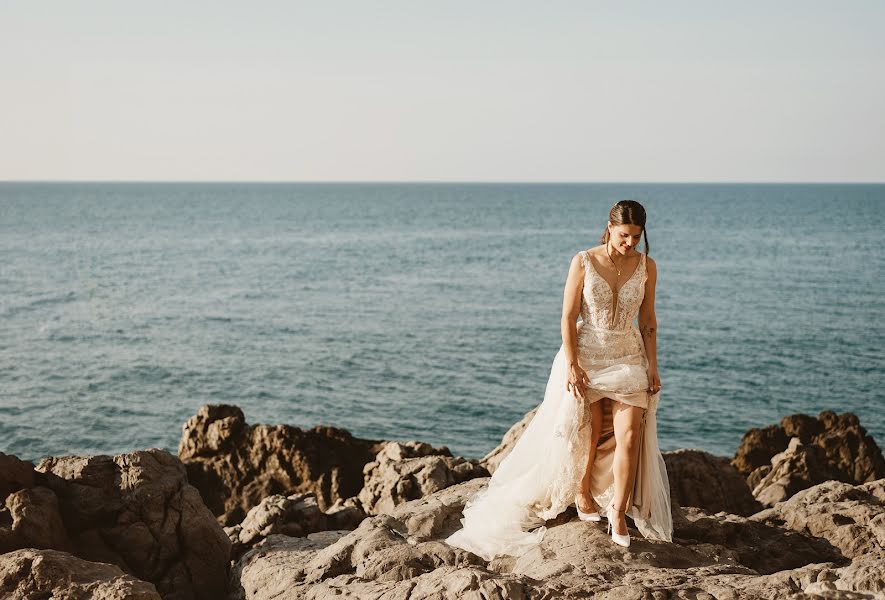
x=593, y=441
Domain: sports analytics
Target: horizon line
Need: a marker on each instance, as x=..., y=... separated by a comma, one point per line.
x=426, y=182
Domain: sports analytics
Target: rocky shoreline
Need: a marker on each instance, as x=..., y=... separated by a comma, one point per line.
x=255, y=512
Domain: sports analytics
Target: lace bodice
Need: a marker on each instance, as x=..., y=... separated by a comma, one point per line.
x=598, y=300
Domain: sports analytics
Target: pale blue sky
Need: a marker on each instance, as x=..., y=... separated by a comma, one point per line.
x=444, y=91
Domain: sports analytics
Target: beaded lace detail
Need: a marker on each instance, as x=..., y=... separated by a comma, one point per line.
x=598, y=298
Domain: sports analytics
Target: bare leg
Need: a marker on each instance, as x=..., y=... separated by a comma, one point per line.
x=627, y=420
x=585, y=501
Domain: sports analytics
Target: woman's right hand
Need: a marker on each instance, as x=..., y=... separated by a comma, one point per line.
x=577, y=381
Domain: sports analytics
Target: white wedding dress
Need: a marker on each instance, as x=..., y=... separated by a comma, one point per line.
x=540, y=477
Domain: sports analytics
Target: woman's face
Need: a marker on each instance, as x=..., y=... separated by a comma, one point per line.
x=624, y=238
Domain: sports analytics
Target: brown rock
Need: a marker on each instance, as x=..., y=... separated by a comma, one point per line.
x=404, y=471
x=798, y=467
x=297, y=515
x=763, y=547
x=402, y=555
x=138, y=512
x=758, y=446
x=30, y=574
x=710, y=482
x=35, y=521
x=850, y=517
x=847, y=447
x=15, y=474
x=235, y=465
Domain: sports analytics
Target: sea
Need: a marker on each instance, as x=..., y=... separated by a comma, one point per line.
x=419, y=311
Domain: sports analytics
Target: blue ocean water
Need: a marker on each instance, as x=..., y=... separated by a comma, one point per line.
x=418, y=311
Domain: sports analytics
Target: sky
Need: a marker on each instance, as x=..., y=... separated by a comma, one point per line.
x=451, y=90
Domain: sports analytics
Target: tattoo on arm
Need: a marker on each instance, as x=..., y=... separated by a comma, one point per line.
x=648, y=331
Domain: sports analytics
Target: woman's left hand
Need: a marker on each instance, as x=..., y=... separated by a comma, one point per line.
x=654, y=381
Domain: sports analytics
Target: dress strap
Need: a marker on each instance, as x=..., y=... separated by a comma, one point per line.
x=585, y=261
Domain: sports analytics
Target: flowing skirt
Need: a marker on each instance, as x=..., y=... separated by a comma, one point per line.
x=538, y=480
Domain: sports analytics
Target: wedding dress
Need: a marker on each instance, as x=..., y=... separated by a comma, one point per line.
x=540, y=477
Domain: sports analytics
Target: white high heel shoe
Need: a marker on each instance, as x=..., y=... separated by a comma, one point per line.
x=584, y=516
x=621, y=539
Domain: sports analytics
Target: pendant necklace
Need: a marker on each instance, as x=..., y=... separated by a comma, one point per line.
x=617, y=268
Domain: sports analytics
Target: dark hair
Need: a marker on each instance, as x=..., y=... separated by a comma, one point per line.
x=627, y=212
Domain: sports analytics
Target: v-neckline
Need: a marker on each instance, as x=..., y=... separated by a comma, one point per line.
x=598, y=274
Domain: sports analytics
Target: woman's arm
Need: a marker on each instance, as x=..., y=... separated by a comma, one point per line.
x=648, y=323
x=571, y=308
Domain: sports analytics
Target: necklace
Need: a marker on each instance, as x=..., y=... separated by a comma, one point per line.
x=617, y=268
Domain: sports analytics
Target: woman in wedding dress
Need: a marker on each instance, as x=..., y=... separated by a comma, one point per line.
x=593, y=439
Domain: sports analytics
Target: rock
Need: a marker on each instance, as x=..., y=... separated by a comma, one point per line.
x=15, y=474
x=402, y=554
x=491, y=460
x=35, y=521
x=443, y=583
x=235, y=465
x=798, y=467
x=274, y=568
x=846, y=447
x=410, y=470
x=297, y=515
x=30, y=574
x=850, y=517
x=763, y=547
x=710, y=482
x=138, y=512
x=345, y=514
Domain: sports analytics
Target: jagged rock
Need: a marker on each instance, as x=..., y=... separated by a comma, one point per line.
x=30, y=574
x=15, y=474
x=491, y=460
x=345, y=514
x=235, y=465
x=710, y=482
x=763, y=547
x=850, y=517
x=34, y=521
x=474, y=583
x=275, y=567
x=845, y=444
x=849, y=448
x=758, y=474
x=138, y=512
x=757, y=447
x=402, y=554
x=798, y=467
x=404, y=471
x=297, y=515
